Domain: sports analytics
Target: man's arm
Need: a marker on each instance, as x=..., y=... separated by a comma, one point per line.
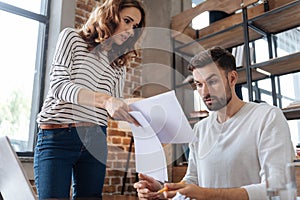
x=195, y=192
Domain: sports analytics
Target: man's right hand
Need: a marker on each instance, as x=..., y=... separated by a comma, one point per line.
x=147, y=188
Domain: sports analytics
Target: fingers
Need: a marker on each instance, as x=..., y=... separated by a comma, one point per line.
x=144, y=192
x=146, y=177
x=147, y=194
x=146, y=182
x=169, y=194
x=174, y=186
x=118, y=110
x=172, y=189
x=140, y=185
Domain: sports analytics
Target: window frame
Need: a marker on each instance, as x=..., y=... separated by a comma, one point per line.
x=40, y=63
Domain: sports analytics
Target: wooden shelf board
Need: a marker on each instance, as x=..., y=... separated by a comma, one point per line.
x=279, y=19
x=180, y=21
x=293, y=113
x=242, y=76
x=230, y=38
x=219, y=33
x=281, y=65
x=277, y=66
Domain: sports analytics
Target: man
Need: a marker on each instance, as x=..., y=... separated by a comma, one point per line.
x=234, y=144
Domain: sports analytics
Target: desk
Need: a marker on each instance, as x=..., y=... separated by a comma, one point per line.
x=119, y=197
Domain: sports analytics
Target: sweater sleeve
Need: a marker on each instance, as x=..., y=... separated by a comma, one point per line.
x=61, y=85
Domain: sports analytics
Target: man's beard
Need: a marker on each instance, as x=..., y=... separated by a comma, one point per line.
x=219, y=103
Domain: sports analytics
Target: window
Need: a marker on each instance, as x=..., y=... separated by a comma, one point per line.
x=23, y=43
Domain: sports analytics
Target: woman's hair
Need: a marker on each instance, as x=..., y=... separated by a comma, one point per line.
x=218, y=55
x=102, y=24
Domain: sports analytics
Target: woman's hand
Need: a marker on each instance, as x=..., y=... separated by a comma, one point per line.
x=118, y=110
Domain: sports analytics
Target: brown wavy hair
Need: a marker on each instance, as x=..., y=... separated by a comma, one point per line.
x=102, y=24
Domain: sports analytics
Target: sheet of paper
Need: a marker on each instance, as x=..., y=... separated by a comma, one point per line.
x=166, y=117
x=149, y=154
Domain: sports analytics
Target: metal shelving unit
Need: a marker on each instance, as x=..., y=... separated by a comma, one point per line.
x=256, y=20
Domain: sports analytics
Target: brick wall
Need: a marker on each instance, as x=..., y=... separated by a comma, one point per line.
x=118, y=135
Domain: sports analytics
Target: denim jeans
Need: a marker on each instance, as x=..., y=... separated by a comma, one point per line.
x=70, y=155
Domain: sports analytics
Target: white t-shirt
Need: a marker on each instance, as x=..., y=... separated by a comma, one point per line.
x=234, y=153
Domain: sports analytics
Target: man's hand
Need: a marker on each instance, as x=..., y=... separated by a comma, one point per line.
x=148, y=187
x=189, y=190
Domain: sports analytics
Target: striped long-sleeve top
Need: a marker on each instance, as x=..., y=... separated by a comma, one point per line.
x=75, y=67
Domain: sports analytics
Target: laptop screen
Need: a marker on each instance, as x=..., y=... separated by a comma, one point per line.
x=13, y=181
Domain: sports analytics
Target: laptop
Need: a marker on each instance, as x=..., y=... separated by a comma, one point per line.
x=14, y=185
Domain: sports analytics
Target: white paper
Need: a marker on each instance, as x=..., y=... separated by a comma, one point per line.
x=149, y=154
x=180, y=197
x=166, y=117
x=162, y=121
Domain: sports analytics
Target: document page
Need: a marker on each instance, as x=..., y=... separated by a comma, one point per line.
x=166, y=117
x=162, y=120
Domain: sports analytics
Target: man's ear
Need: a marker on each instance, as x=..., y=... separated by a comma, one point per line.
x=232, y=77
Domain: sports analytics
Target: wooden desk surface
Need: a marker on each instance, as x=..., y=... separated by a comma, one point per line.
x=119, y=197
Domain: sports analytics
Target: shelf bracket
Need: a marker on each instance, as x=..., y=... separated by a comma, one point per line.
x=247, y=54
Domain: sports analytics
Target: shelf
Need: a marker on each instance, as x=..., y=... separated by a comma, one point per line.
x=293, y=113
x=277, y=66
x=282, y=65
x=242, y=75
x=279, y=19
x=227, y=32
x=226, y=38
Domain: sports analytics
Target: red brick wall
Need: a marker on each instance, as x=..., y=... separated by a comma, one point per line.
x=118, y=146
x=118, y=138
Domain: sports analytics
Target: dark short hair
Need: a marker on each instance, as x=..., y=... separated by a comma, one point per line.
x=218, y=55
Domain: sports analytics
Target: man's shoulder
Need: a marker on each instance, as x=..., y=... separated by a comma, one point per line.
x=262, y=108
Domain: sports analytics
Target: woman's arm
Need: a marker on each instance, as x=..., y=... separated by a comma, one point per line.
x=116, y=108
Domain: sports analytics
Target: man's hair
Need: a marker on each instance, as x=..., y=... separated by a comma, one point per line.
x=218, y=55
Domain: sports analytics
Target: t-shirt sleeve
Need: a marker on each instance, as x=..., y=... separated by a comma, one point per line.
x=274, y=149
x=191, y=175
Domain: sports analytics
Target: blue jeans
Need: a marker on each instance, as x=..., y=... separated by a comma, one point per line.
x=66, y=155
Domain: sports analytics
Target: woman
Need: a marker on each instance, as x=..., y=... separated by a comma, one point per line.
x=86, y=81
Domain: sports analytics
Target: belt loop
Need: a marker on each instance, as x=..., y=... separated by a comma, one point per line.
x=70, y=127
